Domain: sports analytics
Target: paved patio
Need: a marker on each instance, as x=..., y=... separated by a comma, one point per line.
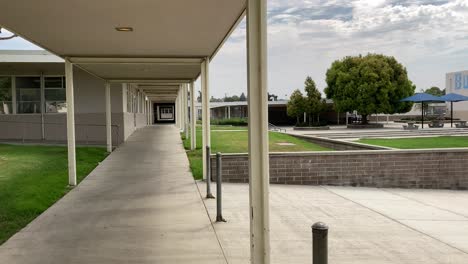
x=140, y=205
x=375, y=226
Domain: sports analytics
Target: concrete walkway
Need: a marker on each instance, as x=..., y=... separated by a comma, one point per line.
x=138, y=206
x=367, y=225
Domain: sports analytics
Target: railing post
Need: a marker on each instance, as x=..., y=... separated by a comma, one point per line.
x=209, y=195
x=219, y=178
x=319, y=243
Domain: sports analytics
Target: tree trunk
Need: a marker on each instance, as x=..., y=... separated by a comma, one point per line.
x=309, y=120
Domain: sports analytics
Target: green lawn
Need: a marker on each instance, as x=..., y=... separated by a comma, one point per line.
x=420, y=143
x=32, y=178
x=237, y=142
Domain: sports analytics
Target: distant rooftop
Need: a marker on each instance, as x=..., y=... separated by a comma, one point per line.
x=239, y=103
x=28, y=56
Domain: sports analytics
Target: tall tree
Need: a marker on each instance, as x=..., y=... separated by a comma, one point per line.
x=314, y=104
x=242, y=97
x=296, y=105
x=369, y=84
x=434, y=90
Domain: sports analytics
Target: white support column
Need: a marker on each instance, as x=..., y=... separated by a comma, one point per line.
x=229, y=112
x=186, y=118
x=151, y=112
x=193, y=118
x=148, y=112
x=258, y=131
x=70, y=123
x=179, y=116
x=13, y=94
x=108, y=118
x=206, y=133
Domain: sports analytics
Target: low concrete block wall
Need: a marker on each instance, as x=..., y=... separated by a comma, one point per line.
x=338, y=144
x=430, y=169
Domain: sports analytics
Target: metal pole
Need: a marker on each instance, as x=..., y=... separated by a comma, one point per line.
x=259, y=180
x=422, y=115
x=186, y=117
x=451, y=114
x=193, y=119
x=209, y=195
x=108, y=117
x=70, y=123
x=319, y=243
x=206, y=133
x=219, y=177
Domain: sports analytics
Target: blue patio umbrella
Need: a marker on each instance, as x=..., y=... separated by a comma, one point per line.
x=422, y=98
x=453, y=97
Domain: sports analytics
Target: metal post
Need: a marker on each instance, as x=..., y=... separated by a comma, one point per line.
x=209, y=195
x=451, y=114
x=319, y=243
x=186, y=117
x=422, y=115
x=193, y=119
x=259, y=180
x=108, y=117
x=219, y=178
x=206, y=135
x=70, y=123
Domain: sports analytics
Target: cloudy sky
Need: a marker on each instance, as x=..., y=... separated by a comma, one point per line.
x=429, y=37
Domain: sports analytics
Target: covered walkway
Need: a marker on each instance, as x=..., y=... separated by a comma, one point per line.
x=140, y=205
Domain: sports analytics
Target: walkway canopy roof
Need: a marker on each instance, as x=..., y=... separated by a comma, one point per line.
x=167, y=39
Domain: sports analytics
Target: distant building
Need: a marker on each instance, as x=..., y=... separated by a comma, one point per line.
x=277, y=112
x=33, y=104
x=457, y=82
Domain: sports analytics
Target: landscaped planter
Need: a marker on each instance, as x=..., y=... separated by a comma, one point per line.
x=312, y=128
x=368, y=126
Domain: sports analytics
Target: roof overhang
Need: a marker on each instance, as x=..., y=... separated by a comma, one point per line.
x=169, y=39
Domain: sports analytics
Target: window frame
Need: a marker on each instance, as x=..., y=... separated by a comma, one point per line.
x=44, y=101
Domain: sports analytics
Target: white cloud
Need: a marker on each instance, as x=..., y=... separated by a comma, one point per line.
x=429, y=37
x=15, y=43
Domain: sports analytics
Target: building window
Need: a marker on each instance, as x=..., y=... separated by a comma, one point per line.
x=55, y=95
x=28, y=94
x=5, y=96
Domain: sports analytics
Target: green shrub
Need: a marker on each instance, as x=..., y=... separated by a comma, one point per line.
x=231, y=122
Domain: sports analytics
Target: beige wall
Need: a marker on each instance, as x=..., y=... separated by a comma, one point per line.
x=89, y=114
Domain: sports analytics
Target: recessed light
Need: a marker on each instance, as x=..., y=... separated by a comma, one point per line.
x=124, y=29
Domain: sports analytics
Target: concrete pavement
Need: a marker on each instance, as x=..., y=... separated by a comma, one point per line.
x=140, y=205
x=367, y=225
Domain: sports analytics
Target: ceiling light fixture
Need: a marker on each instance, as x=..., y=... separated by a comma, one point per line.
x=124, y=29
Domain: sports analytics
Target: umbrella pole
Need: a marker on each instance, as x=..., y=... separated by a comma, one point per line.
x=422, y=115
x=451, y=114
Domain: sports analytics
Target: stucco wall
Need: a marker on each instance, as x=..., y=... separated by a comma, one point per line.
x=436, y=169
x=89, y=114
